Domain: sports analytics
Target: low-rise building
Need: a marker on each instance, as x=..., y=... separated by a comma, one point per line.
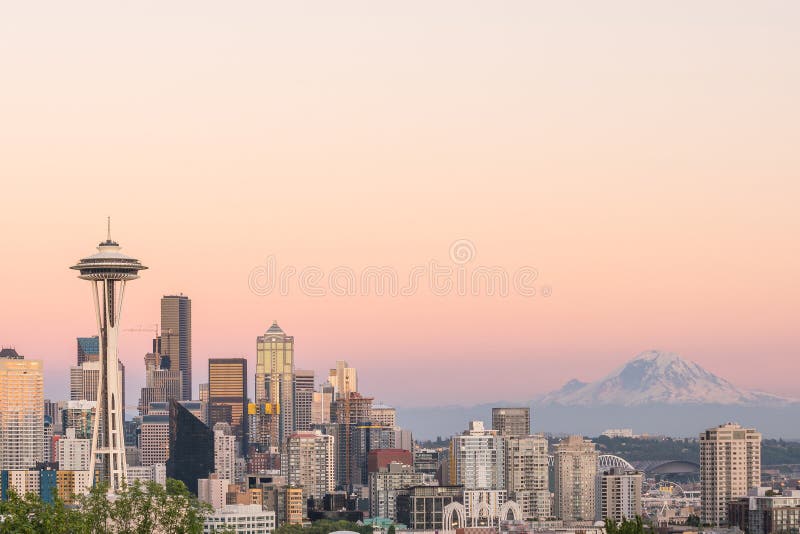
x=240, y=518
x=765, y=512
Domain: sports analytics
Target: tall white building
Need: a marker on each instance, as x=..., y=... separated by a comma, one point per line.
x=74, y=454
x=574, y=470
x=730, y=464
x=527, y=474
x=308, y=462
x=21, y=411
x=224, y=452
x=477, y=458
x=618, y=494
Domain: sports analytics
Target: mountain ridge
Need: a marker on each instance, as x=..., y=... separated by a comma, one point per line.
x=656, y=377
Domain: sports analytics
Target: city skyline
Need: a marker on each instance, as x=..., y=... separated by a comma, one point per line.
x=645, y=169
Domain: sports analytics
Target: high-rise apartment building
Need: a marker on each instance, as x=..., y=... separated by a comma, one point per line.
x=512, y=421
x=574, y=470
x=275, y=380
x=176, y=339
x=476, y=458
x=527, y=474
x=227, y=394
x=21, y=411
x=308, y=463
x=303, y=399
x=618, y=494
x=154, y=439
x=730, y=464
x=224, y=452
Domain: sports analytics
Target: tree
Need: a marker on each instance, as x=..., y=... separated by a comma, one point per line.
x=391, y=530
x=626, y=526
x=144, y=508
x=31, y=515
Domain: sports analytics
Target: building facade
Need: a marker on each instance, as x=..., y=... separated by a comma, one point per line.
x=386, y=483
x=21, y=412
x=227, y=394
x=308, y=463
x=574, y=470
x=176, y=339
x=618, y=494
x=476, y=458
x=275, y=381
x=303, y=399
x=764, y=511
x=528, y=475
x=730, y=465
x=512, y=421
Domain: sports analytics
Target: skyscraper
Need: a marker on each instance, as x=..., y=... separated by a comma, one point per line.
x=477, y=458
x=618, y=494
x=527, y=474
x=88, y=349
x=225, y=452
x=512, y=421
x=108, y=271
x=308, y=463
x=730, y=464
x=275, y=380
x=176, y=339
x=227, y=394
x=574, y=470
x=191, y=447
x=344, y=379
x=303, y=399
x=21, y=411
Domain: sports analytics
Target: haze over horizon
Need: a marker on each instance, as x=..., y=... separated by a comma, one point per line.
x=642, y=158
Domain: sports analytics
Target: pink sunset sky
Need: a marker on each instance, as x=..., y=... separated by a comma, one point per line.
x=643, y=157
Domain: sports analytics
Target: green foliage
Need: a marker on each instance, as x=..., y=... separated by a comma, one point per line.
x=31, y=515
x=773, y=451
x=136, y=509
x=693, y=521
x=324, y=526
x=391, y=530
x=627, y=526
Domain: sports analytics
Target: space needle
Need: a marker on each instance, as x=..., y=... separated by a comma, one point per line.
x=108, y=270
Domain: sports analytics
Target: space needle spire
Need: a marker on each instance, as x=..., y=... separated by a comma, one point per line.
x=108, y=270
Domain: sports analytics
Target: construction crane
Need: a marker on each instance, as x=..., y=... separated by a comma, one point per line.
x=144, y=328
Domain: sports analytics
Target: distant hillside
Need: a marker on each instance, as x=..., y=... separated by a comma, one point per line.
x=773, y=452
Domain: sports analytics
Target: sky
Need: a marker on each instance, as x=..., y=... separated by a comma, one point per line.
x=640, y=158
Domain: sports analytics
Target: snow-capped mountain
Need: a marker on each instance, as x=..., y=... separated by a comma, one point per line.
x=659, y=378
